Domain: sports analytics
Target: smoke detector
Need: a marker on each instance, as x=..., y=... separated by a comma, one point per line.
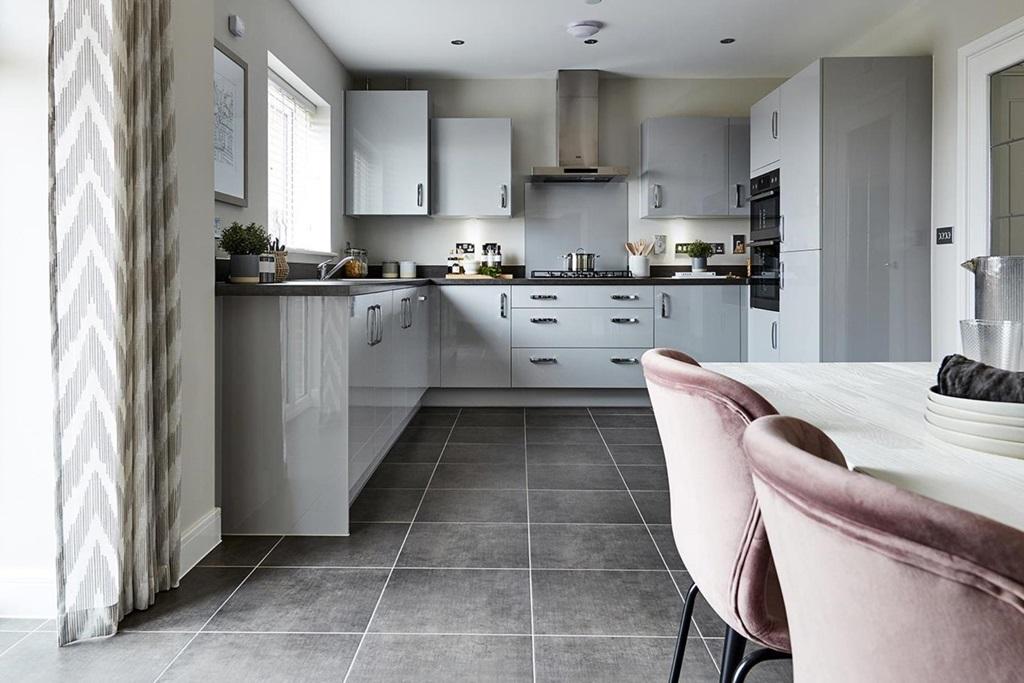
x=583, y=29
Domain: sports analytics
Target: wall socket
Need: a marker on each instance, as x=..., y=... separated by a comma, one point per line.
x=681, y=247
x=465, y=247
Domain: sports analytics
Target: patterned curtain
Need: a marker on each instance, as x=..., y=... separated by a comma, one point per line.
x=115, y=310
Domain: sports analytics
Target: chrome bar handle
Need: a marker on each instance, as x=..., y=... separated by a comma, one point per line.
x=625, y=361
x=380, y=324
x=775, y=335
x=504, y=196
x=739, y=195
x=626, y=321
x=657, y=196
x=664, y=305
x=625, y=297
x=504, y=305
x=782, y=275
x=369, y=326
x=775, y=125
x=782, y=228
x=544, y=321
x=543, y=297
x=419, y=194
x=543, y=360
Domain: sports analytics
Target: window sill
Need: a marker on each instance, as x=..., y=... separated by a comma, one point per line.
x=295, y=256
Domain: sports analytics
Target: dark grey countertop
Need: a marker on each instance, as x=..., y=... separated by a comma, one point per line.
x=370, y=286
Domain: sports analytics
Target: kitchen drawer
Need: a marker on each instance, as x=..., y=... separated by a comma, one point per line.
x=582, y=327
x=583, y=296
x=577, y=368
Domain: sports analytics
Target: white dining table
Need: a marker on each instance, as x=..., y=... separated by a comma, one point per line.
x=875, y=414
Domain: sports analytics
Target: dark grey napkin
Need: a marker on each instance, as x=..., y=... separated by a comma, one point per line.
x=965, y=378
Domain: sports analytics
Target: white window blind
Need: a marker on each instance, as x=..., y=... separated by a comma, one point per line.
x=293, y=168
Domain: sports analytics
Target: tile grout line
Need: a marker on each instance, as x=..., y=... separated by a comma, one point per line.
x=19, y=641
x=671, y=576
x=219, y=608
x=529, y=546
x=376, y=606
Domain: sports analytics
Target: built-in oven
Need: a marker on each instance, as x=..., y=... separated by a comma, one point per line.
x=765, y=207
x=765, y=274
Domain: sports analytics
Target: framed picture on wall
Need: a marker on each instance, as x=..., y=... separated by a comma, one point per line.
x=230, y=120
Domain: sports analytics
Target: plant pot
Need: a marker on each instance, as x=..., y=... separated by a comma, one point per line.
x=245, y=268
x=698, y=265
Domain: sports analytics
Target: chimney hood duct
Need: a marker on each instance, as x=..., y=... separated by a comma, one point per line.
x=577, y=111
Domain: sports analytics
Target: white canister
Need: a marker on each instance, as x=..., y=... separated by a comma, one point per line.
x=407, y=269
x=470, y=265
x=640, y=266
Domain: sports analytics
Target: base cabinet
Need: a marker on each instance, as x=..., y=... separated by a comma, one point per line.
x=476, y=336
x=704, y=321
x=762, y=336
x=561, y=368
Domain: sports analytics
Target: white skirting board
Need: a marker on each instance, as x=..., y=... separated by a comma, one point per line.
x=199, y=539
x=536, y=397
x=28, y=596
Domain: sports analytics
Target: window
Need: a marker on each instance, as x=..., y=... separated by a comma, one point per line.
x=298, y=164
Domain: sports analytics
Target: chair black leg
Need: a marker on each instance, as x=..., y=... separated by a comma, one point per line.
x=684, y=632
x=732, y=653
x=754, y=658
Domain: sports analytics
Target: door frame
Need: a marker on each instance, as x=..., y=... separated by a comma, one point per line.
x=976, y=62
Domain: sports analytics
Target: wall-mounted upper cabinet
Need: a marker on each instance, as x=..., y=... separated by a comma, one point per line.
x=765, y=123
x=686, y=167
x=471, y=166
x=387, y=156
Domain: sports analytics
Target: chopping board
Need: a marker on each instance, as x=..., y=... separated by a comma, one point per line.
x=477, y=276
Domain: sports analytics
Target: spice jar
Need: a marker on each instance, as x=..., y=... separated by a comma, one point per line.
x=358, y=266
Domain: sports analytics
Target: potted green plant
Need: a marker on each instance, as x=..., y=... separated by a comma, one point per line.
x=699, y=251
x=245, y=243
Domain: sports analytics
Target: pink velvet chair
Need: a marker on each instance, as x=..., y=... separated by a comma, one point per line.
x=882, y=584
x=716, y=523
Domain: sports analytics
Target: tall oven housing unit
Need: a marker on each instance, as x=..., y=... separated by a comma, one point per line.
x=850, y=140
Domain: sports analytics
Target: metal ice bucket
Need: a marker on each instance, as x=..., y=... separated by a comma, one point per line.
x=998, y=287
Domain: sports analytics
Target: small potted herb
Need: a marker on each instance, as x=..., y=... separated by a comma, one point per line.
x=699, y=251
x=245, y=243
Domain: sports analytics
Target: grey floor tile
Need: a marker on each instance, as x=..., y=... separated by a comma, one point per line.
x=19, y=625
x=536, y=435
x=623, y=410
x=632, y=454
x=367, y=545
x=577, y=477
x=568, y=454
x=302, y=600
x=706, y=619
x=422, y=419
x=645, y=477
x=479, y=476
x=667, y=545
x=559, y=420
x=473, y=506
x=594, y=507
x=124, y=657
x=638, y=436
x=386, y=657
x=385, y=505
x=264, y=657
x=187, y=607
x=612, y=660
x=590, y=546
x=489, y=453
x=239, y=551
x=436, y=544
x=487, y=434
x=605, y=603
x=654, y=506
x=412, y=452
x=483, y=410
x=9, y=638
x=400, y=476
x=455, y=601
x=425, y=434
x=605, y=421
x=558, y=410
x=492, y=419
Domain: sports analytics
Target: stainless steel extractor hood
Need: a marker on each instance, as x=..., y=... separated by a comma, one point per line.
x=577, y=110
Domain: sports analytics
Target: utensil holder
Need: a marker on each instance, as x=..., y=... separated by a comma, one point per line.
x=280, y=266
x=640, y=266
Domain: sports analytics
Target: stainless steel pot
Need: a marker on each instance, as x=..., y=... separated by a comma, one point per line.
x=580, y=261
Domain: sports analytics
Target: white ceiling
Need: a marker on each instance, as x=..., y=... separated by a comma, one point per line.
x=644, y=38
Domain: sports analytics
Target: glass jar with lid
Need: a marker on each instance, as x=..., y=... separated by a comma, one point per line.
x=358, y=266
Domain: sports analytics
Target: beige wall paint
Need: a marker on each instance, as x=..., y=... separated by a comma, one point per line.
x=940, y=28
x=625, y=103
x=275, y=26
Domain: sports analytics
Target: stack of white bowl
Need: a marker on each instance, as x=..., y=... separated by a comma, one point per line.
x=989, y=426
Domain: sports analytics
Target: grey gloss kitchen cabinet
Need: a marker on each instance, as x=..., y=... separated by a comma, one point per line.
x=685, y=166
x=703, y=321
x=765, y=120
x=476, y=336
x=387, y=158
x=471, y=166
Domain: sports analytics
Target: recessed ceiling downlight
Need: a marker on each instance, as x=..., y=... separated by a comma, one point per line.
x=583, y=29
x=590, y=41
x=458, y=42
x=727, y=41
x=592, y=2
